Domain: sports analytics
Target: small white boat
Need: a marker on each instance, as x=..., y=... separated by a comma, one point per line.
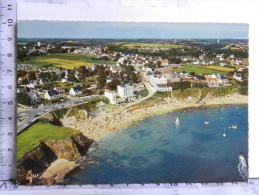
x=206, y=122
x=233, y=127
x=177, y=120
x=224, y=134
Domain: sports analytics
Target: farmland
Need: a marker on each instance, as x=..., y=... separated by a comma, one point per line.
x=198, y=69
x=154, y=45
x=68, y=61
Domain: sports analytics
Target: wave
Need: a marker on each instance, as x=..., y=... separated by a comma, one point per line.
x=242, y=168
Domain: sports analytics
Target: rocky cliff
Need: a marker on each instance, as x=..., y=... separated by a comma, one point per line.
x=40, y=158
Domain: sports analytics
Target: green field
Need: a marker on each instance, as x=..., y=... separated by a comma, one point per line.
x=245, y=60
x=149, y=45
x=31, y=137
x=68, y=61
x=198, y=69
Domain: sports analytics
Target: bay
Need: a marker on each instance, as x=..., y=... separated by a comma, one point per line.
x=157, y=150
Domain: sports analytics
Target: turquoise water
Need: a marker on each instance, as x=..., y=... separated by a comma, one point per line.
x=156, y=150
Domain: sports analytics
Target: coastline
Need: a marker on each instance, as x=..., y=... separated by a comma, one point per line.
x=59, y=169
x=113, y=118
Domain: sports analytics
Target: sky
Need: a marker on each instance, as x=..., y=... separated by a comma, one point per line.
x=162, y=30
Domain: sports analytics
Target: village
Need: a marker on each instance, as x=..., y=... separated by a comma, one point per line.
x=123, y=78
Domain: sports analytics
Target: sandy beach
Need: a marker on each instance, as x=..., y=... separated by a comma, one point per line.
x=59, y=169
x=114, y=118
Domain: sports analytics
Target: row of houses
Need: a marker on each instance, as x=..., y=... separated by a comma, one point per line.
x=49, y=94
x=55, y=93
x=160, y=77
x=215, y=80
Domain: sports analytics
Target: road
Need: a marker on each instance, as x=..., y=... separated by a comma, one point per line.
x=34, y=113
x=151, y=92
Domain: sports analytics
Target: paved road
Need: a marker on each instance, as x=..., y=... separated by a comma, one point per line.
x=151, y=92
x=33, y=114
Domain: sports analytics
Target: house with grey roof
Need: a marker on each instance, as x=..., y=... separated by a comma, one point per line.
x=35, y=97
x=111, y=78
x=76, y=91
x=222, y=79
x=238, y=76
x=51, y=95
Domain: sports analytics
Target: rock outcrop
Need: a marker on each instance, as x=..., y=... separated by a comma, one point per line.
x=35, y=161
x=77, y=113
x=40, y=158
x=65, y=149
x=53, y=119
x=83, y=143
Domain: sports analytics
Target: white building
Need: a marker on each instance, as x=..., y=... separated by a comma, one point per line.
x=51, y=95
x=126, y=91
x=35, y=98
x=60, y=89
x=76, y=91
x=164, y=62
x=111, y=95
x=212, y=82
x=238, y=76
x=160, y=83
x=158, y=79
x=223, y=63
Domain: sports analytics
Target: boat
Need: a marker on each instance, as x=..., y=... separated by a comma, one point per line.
x=224, y=134
x=206, y=122
x=177, y=120
x=233, y=127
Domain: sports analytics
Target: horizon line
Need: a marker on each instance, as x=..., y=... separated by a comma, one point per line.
x=132, y=38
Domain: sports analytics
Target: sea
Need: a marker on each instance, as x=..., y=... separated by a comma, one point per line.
x=157, y=150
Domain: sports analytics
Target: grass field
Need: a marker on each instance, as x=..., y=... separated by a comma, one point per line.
x=204, y=69
x=150, y=101
x=68, y=61
x=30, y=138
x=245, y=60
x=149, y=45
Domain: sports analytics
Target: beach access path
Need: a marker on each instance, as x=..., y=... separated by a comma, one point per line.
x=151, y=92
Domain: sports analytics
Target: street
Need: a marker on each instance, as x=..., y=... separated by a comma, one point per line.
x=34, y=113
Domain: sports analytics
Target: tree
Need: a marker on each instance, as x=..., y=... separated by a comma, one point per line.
x=45, y=75
x=158, y=63
x=32, y=75
x=72, y=78
x=48, y=86
x=134, y=77
x=105, y=58
x=175, y=60
x=192, y=73
x=102, y=76
x=54, y=76
x=62, y=75
x=201, y=77
x=23, y=98
x=113, y=84
x=21, y=73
